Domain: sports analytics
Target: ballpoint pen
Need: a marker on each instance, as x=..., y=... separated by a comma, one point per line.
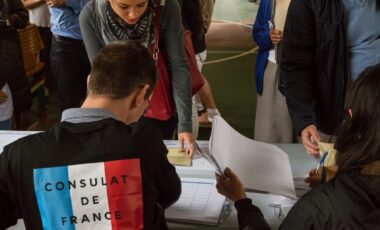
x=322, y=160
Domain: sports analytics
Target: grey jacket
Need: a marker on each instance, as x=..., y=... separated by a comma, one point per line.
x=170, y=40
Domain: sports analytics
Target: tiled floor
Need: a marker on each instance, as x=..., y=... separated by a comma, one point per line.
x=229, y=68
x=235, y=10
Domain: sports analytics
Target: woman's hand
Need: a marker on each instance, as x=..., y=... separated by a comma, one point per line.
x=275, y=36
x=56, y=3
x=186, y=139
x=315, y=177
x=230, y=186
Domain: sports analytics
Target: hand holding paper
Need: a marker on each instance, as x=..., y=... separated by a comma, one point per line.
x=230, y=186
x=260, y=166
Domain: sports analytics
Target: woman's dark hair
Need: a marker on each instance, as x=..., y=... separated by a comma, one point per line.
x=121, y=67
x=192, y=17
x=358, y=140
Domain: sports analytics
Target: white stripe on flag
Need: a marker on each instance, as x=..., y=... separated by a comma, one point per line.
x=89, y=198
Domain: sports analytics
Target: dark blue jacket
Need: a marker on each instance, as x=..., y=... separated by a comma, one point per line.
x=260, y=33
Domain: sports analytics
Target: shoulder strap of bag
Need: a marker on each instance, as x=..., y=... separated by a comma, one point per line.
x=156, y=50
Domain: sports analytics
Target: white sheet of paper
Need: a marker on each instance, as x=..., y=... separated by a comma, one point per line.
x=199, y=203
x=7, y=137
x=260, y=166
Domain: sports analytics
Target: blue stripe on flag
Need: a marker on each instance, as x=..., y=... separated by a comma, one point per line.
x=53, y=197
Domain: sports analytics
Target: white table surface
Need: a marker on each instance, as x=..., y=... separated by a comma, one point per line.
x=300, y=162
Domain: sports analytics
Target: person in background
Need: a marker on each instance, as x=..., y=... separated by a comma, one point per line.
x=39, y=15
x=205, y=95
x=105, y=21
x=6, y=108
x=326, y=45
x=273, y=123
x=193, y=21
x=68, y=57
x=98, y=168
x=349, y=200
x=14, y=88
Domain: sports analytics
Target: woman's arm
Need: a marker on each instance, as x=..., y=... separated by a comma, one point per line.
x=30, y=4
x=260, y=30
x=171, y=34
x=90, y=30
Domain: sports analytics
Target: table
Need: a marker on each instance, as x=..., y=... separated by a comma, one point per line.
x=300, y=162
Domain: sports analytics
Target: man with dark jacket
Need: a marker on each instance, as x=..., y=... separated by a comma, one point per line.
x=327, y=43
x=97, y=169
x=13, y=16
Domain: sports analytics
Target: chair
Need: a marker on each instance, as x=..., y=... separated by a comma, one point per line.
x=31, y=44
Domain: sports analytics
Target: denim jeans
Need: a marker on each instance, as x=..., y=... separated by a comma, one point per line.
x=70, y=67
x=6, y=125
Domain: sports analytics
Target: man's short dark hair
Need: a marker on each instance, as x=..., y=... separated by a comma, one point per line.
x=121, y=67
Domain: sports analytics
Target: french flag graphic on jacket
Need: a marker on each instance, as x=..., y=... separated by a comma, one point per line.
x=106, y=195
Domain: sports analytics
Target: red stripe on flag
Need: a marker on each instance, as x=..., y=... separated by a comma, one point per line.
x=124, y=191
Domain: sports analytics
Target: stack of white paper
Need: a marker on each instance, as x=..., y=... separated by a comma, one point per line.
x=261, y=167
x=199, y=203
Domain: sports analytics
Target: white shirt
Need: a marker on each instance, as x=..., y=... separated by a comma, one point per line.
x=40, y=15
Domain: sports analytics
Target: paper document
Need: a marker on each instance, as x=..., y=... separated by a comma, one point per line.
x=281, y=205
x=7, y=137
x=209, y=158
x=176, y=157
x=261, y=167
x=300, y=186
x=199, y=203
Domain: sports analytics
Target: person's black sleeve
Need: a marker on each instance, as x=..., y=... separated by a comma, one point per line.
x=168, y=182
x=300, y=216
x=250, y=216
x=298, y=66
x=166, y=178
x=8, y=205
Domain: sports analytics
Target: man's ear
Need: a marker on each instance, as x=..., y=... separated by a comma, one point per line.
x=140, y=95
x=88, y=80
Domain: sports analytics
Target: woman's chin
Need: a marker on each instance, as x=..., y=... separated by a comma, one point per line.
x=131, y=22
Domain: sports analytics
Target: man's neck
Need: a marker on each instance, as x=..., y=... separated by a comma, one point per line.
x=119, y=108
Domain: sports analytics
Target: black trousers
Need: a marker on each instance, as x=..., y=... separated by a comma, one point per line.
x=45, y=54
x=70, y=67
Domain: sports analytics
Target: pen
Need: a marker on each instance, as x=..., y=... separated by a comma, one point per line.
x=322, y=160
